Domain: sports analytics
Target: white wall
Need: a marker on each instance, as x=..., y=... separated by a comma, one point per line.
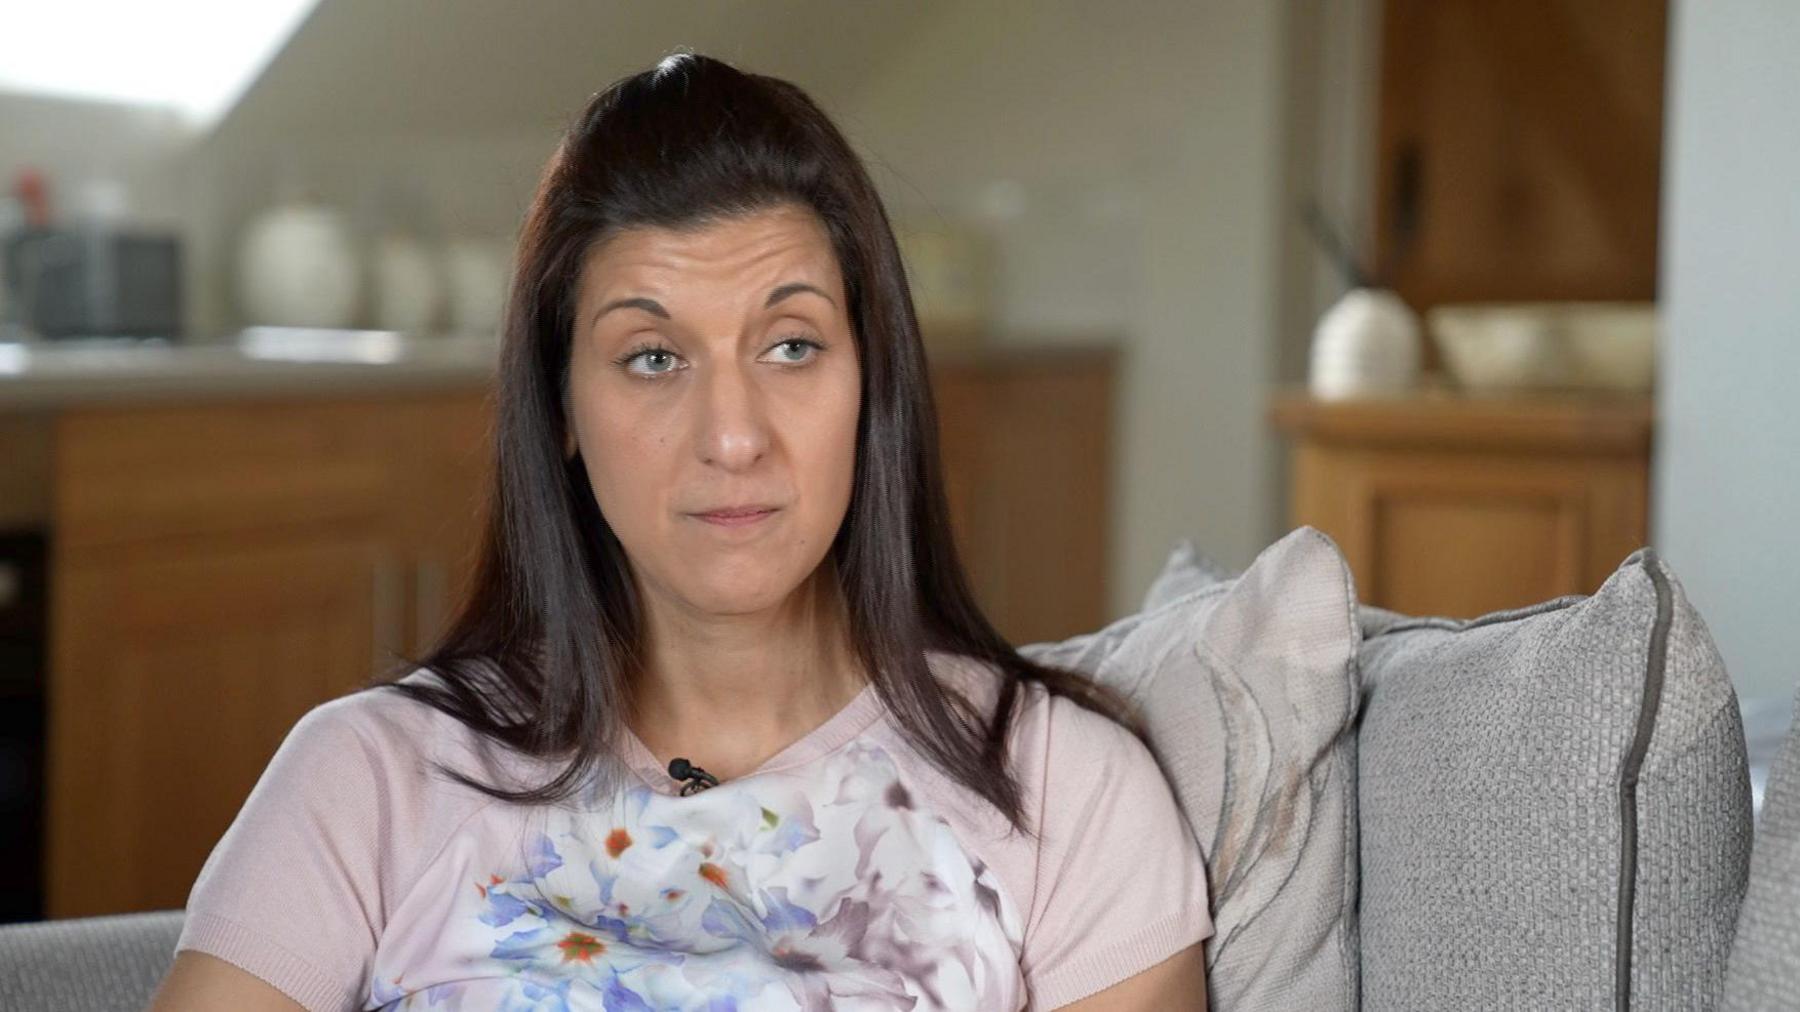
x=1329, y=119
x=1727, y=484
x=74, y=142
x=1141, y=142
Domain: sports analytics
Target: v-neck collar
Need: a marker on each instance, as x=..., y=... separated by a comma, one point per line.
x=839, y=728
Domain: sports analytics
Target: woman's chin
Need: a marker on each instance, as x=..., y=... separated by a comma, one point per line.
x=746, y=597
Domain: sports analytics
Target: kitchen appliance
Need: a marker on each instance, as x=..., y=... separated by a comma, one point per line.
x=94, y=281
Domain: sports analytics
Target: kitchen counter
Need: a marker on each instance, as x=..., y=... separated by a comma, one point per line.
x=51, y=375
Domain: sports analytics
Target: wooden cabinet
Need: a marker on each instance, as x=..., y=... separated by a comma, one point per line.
x=1027, y=446
x=1456, y=505
x=217, y=570
x=439, y=517
x=177, y=672
x=1519, y=149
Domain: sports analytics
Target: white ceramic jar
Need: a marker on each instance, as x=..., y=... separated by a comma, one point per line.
x=297, y=267
x=409, y=284
x=1367, y=343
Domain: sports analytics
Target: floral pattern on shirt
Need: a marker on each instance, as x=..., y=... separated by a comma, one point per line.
x=820, y=887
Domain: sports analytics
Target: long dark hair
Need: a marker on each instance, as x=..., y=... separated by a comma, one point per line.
x=539, y=654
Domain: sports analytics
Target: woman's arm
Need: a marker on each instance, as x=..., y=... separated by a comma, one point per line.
x=1178, y=982
x=199, y=982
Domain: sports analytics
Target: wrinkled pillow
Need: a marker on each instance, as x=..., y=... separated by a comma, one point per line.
x=1187, y=569
x=1248, y=687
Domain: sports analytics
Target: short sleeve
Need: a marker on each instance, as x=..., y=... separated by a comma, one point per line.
x=292, y=893
x=1121, y=883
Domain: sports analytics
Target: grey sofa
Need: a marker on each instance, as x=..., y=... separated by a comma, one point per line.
x=88, y=962
x=1682, y=879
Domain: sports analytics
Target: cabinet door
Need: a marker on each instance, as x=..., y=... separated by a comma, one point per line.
x=443, y=459
x=178, y=670
x=1026, y=441
x=1519, y=148
x=963, y=430
x=1465, y=534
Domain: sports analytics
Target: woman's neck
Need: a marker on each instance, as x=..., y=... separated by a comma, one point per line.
x=729, y=692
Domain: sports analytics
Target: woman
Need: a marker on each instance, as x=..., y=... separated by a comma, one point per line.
x=718, y=540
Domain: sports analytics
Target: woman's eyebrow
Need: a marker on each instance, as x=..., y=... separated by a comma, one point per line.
x=792, y=287
x=655, y=308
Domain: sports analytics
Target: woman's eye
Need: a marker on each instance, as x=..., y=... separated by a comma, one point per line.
x=656, y=356
x=793, y=351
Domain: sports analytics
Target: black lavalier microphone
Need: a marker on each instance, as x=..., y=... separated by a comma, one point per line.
x=696, y=778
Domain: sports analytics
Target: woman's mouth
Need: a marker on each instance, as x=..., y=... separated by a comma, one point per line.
x=736, y=518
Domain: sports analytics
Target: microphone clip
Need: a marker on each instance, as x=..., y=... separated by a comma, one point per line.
x=696, y=779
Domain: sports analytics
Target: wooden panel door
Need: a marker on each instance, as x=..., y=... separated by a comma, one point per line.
x=1050, y=460
x=1025, y=436
x=1519, y=149
x=177, y=671
x=442, y=466
x=963, y=425
x=1462, y=534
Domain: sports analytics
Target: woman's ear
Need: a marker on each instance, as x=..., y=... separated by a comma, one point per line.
x=569, y=444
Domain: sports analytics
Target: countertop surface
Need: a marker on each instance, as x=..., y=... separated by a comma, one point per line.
x=49, y=375
x=1592, y=420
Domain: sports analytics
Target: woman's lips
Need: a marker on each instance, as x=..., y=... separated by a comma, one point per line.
x=735, y=519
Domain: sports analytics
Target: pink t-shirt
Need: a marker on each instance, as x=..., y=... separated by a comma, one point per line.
x=846, y=872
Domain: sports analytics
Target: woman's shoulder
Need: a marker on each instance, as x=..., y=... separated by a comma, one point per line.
x=333, y=837
x=390, y=737
x=378, y=716
x=1047, y=726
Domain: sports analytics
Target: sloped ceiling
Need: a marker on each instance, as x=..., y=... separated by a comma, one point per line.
x=487, y=66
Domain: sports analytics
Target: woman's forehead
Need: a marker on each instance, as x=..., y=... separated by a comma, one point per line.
x=747, y=263
x=774, y=239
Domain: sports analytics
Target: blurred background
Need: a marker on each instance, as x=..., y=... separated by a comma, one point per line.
x=1492, y=291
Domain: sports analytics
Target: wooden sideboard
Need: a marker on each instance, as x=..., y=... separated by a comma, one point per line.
x=1457, y=505
x=219, y=566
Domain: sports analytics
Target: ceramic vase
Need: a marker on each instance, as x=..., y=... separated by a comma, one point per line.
x=1368, y=342
x=297, y=267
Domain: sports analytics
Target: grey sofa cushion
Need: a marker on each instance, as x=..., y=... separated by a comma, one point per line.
x=1248, y=689
x=1186, y=570
x=1555, y=807
x=1768, y=721
x=93, y=964
x=1765, y=956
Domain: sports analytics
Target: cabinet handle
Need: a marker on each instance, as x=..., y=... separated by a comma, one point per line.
x=387, y=606
x=430, y=583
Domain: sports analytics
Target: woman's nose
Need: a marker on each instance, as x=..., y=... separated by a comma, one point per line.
x=734, y=430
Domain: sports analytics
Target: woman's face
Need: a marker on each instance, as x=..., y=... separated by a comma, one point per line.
x=711, y=369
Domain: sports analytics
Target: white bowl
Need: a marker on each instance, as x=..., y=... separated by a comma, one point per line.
x=1612, y=345
x=1547, y=345
x=1500, y=346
